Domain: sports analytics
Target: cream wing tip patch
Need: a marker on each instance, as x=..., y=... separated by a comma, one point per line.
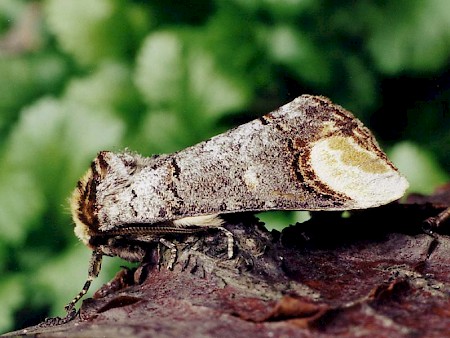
x=361, y=174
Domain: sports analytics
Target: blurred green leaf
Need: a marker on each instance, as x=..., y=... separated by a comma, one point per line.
x=362, y=87
x=21, y=203
x=162, y=132
x=419, y=166
x=174, y=69
x=10, y=10
x=212, y=91
x=90, y=30
x=51, y=141
x=279, y=220
x=23, y=79
x=410, y=35
x=109, y=87
x=302, y=55
x=160, y=69
x=12, y=294
x=280, y=8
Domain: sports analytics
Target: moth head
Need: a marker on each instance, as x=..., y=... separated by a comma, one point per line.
x=106, y=170
x=83, y=201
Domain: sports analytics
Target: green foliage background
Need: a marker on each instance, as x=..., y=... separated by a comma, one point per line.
x=79, y=76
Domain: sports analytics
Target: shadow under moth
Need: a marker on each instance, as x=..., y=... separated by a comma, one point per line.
x=309, y=154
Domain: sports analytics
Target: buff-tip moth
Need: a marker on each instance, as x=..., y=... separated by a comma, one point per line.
x=309, y=154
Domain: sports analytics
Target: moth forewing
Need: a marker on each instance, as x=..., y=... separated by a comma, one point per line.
x=307, y=155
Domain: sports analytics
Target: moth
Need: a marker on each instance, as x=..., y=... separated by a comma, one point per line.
x=309, y=154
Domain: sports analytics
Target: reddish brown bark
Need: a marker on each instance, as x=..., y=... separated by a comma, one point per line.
x=375, y=274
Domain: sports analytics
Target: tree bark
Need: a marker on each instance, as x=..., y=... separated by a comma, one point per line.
x=375, y=273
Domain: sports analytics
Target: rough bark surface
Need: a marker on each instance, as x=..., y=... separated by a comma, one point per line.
x=375, y=273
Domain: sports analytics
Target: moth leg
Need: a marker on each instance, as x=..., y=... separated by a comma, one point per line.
x=230, y=241
x=435, y=222
x=173, y=252
x=95, y=265
x=94, y=269
x=158, y=252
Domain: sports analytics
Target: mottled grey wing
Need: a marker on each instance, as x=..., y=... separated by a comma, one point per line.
x=308, y=155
